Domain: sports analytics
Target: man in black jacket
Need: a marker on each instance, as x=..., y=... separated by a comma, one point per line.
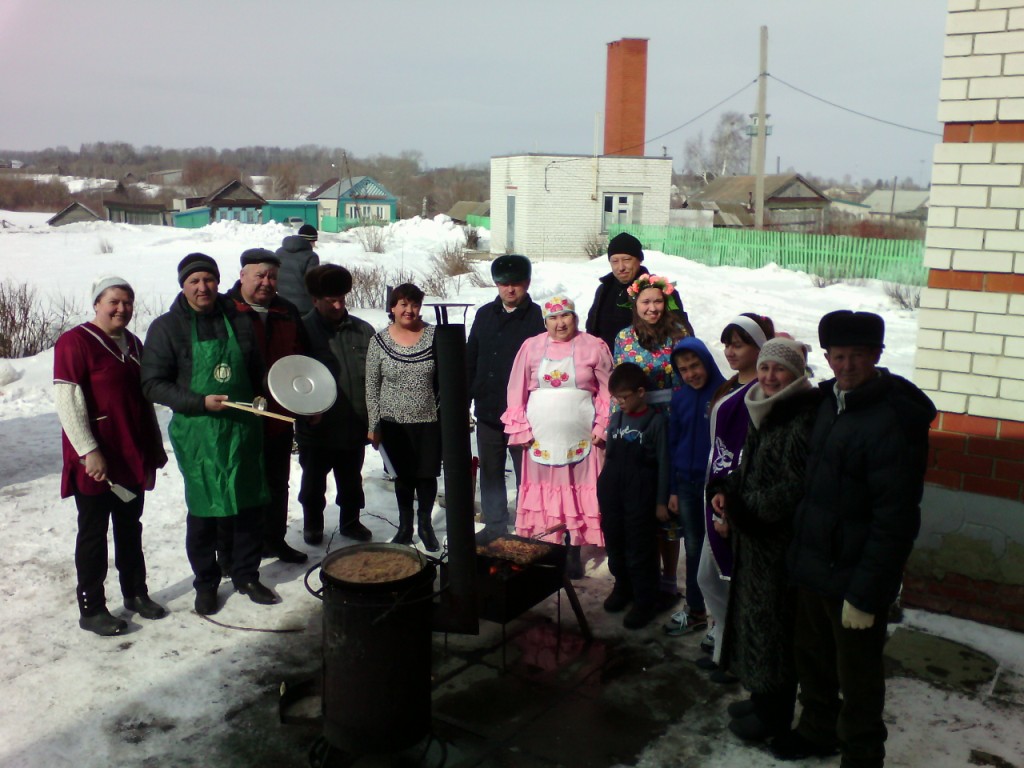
x=198, y=355
x=612, y=309
x=337, y=443
x=852, y=534
x=498, y=331
x=297, y=258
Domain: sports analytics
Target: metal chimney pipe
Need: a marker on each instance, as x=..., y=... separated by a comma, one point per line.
x=458, y=610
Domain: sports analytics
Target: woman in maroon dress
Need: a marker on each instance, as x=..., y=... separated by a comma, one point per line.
x=110, y=436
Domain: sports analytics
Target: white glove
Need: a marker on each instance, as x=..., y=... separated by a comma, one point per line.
x=855, y=618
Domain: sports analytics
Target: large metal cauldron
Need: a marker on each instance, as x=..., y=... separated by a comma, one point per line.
x=377, y=656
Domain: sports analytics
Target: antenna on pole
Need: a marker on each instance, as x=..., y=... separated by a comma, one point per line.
x=760, y=141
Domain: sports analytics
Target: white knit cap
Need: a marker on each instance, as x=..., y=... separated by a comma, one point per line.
x=102, y=283
x=788, y=353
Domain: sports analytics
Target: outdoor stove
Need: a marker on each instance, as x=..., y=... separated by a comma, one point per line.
x=515, y=573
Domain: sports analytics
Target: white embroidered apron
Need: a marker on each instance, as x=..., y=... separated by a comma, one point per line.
x=561, y=416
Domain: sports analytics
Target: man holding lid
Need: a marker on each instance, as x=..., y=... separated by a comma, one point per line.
x=198, y=355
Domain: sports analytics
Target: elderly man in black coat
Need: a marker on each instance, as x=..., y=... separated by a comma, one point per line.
x=852, y=535
x=498, y=331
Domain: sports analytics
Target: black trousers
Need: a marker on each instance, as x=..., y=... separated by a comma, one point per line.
x=241, y=534
x=492, y=447
x=91, y=561
x=830, y=659
x=317, y=464
x=277, y=464
x=630, y=527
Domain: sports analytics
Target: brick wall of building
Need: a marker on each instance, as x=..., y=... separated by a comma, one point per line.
x=970, y=357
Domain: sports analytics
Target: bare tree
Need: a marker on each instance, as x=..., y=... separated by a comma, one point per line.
x=725, y=153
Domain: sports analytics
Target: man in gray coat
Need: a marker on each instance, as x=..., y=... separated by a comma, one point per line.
x=337, y=443
x=297, y=258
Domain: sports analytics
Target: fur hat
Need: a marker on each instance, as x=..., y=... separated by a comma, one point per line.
x=328, y=280
x=789, y=353
x=112, y=281
x=625, y=243
x=845, y=328
x=308, y=231
x=558, y=305
x=259, y=256
x=510, y=268
x=196, y=262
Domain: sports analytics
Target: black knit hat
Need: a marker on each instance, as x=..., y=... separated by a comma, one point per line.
x=308, y=231
x=510, y=268
x=844, y=328
x=196, y=262
x=328, y=280
x=259, y=256
x=627, y=244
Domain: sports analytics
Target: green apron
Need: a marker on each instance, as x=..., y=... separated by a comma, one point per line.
x=220, y=454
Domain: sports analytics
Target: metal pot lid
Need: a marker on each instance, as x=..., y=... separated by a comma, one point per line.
x=302, y=385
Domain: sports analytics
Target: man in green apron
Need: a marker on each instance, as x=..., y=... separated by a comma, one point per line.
x=197, y=356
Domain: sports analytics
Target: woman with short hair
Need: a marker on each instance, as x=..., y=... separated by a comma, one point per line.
x=109, y=436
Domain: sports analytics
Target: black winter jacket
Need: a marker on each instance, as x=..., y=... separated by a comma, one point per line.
x=343, y=351
x=297, y=258
x=167, y=356
x=860, y=514
x=612, y=309
x=494, y=341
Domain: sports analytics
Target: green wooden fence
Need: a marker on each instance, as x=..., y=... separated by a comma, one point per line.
x=831, y=256
x=478, y=221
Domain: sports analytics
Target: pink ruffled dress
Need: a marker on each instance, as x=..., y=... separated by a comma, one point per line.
x=568, y=381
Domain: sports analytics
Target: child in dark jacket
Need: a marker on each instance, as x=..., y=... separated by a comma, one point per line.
x=632, y=491
x=689, y=441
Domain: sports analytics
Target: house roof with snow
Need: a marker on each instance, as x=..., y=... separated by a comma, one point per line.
x=352, y=187
x=787, y=190
x=883, y=202
x=73, y=213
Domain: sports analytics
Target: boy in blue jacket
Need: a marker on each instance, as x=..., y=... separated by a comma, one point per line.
x=689, y=441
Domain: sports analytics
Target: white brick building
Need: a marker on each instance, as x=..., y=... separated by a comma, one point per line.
x=970, y=356
x=550, y=206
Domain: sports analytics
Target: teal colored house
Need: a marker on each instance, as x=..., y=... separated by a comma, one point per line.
x=234, y=201
x=290, y=211
x=353, y=201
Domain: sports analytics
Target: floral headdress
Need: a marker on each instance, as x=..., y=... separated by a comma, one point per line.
x=654, y=281
x=558, y=304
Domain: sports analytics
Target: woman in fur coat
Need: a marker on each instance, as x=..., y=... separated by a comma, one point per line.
x=757, y=501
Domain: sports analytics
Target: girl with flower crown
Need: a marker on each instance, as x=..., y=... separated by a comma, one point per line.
x=558, y=408
x=648, y=343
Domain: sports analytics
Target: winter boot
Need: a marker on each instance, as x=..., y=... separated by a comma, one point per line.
x=426, y=532
x=404, y=534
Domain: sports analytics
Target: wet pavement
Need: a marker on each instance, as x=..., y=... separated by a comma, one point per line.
x=545, y=697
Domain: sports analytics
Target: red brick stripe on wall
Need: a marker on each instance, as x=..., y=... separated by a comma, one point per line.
x=986, y=282
x=983, y=132
x=978, y=455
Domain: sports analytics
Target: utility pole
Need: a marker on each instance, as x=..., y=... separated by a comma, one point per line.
x=760, y=141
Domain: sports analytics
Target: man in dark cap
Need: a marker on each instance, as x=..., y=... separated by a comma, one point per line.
x=198, y=355
x=612, y=309
x=499, y=329
x=297, y=257
x=277, y=326
x=853, y=532
x=337, y=443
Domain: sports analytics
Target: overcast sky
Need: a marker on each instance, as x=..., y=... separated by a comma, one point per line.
x=464, y=80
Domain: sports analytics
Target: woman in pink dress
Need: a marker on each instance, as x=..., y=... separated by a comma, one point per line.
x=558, y=406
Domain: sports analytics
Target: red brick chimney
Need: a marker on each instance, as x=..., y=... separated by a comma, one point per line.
x=625, y=100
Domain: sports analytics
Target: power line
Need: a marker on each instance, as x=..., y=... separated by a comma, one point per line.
x=852, y=111
x=691, y=120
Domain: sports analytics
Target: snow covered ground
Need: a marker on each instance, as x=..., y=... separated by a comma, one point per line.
x=163, y=693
